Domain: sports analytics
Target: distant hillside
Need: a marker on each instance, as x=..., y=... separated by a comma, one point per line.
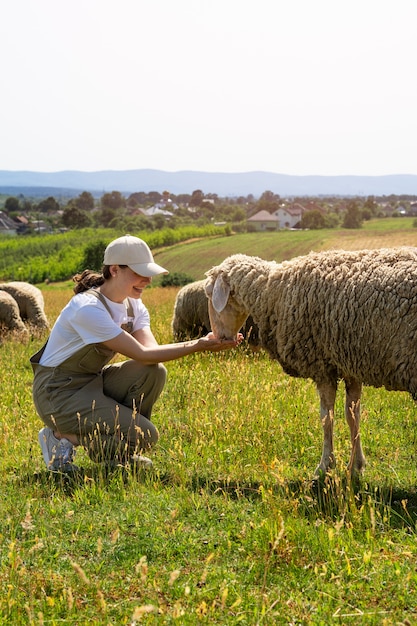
x=223, y=184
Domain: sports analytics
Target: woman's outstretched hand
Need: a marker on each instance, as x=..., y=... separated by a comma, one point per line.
x=211, y=343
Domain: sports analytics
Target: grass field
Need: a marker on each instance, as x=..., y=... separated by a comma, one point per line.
x=229, y=527
x=196, y=257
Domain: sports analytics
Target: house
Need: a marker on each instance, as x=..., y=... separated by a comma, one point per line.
x=284, y=217
x=40, y=226
x=22, y=224
x=157, y=210
x=263, y=220
x=7, y=225
x=289, y=216
x=164, y=207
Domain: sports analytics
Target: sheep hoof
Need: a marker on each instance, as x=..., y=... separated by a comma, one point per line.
x=325, y=466
x=320, y=474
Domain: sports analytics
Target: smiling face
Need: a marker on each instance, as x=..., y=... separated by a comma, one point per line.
x=122, y=282
x=133, y=283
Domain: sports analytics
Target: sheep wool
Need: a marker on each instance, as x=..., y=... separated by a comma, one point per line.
x=328, y=316
x=190, y=318
x=9, y=314
x=30, y=301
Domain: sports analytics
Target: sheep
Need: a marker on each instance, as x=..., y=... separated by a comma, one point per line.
x=191, y=318
x=328, y=316
x=30, y=301
x=9, y=314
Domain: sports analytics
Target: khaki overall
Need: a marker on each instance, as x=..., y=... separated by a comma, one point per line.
x=108, y=406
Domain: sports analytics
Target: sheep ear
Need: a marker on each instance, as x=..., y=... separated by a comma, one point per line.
x=221, y=291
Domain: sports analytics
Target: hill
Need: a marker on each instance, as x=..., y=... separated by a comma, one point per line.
x=31, y=183
x=194, y=258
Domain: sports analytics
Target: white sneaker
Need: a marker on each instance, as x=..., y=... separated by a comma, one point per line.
x=58, y=454
x=141, y=461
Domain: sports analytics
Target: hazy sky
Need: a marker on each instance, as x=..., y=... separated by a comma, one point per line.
x=288, y=86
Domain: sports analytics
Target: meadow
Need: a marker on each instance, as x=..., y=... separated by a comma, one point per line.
x=229, y=527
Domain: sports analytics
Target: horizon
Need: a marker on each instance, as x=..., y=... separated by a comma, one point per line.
x=222, y=184
x=194, y=171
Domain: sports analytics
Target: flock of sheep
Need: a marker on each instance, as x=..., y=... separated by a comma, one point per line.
x=328, y=316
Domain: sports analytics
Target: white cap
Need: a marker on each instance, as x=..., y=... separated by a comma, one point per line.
x=134, y=253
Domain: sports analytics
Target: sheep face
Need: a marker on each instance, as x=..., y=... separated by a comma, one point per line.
x=226, y=316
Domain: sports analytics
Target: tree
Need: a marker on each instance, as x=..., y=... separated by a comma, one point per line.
x=182, y=198
x=73, y=217
x=313, y=219
x=371, y=204
x=113, y=200
x=159, y=221
x=93, y=256
x=238, y=215
x=12, y=205
x=105, y=216
x=154, y=197
x=85, y=201
x=137, y=199
x=268, y=201
x=353, y=216
x=197, y=198
x=50, y=205
x=27, y=206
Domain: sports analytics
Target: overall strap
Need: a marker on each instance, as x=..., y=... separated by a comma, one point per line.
x=128, y=327
x=35, y=358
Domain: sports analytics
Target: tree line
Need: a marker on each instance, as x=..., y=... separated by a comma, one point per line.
x=113, y=209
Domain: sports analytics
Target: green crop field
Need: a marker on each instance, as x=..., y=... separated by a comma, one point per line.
x=229, y=527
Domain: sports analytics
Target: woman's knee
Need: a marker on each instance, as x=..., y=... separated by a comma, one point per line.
x=149, y=383
x=157, y=373
x=131, y=379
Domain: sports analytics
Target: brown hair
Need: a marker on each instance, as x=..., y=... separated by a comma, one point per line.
x=89, y=279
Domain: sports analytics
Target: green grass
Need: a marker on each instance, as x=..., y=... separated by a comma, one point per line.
x=229, y=527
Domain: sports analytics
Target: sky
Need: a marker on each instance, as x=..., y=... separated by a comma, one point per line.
x=300, y=87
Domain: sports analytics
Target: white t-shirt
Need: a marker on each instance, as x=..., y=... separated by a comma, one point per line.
x=85, y=320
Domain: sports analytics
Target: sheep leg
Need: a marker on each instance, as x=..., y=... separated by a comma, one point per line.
x=327, y=393
x=353, y=417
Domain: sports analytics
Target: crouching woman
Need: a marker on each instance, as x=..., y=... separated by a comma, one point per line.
x=82, y=396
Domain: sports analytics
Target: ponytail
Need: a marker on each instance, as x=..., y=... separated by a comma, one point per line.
x=87, y=280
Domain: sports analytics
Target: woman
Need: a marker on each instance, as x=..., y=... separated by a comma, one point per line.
x=81, y=398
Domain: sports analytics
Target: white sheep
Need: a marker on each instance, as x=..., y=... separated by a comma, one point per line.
x=191, y=317
x=328, y=316
x=30, y=301
x=9, y=314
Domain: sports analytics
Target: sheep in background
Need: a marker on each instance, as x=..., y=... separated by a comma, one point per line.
x=328, y=316
x=30, y=301
x=191, y=316
x=9, y=314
